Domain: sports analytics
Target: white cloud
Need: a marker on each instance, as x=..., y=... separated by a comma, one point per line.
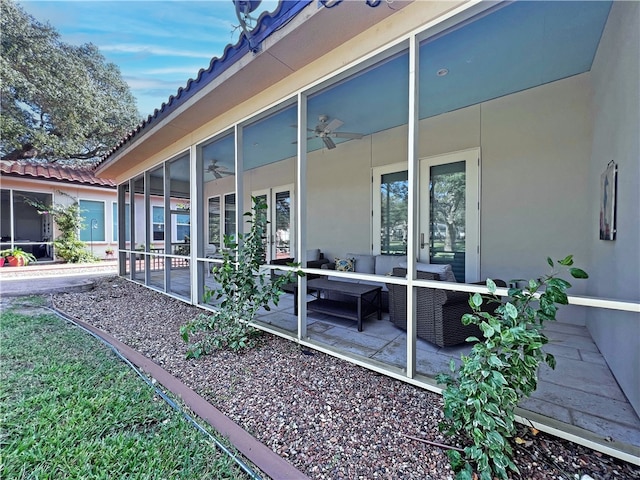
x=184, y=70
x=156, y=84
x=153, y=50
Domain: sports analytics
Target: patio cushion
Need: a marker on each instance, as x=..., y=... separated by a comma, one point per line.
x=385, y=263
x=444, y=271
x=363, y=263
x=345, y=264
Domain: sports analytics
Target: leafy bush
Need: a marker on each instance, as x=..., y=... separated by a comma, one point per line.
x=244, y=289
x=72, y=250
x=479, y=401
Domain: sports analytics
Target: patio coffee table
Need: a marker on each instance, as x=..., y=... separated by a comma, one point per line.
x=368, y=299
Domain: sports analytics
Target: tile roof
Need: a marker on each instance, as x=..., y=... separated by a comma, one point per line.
x=265, y=26
x=82, y=175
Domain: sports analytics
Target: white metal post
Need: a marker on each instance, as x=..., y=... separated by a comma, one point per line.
x=196, y=231
x=412, y=162
x=301, y=213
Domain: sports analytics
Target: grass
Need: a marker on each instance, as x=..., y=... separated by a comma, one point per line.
x=69, y=408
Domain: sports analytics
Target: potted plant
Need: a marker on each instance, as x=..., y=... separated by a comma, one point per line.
x=108, y=252
x=16, y=257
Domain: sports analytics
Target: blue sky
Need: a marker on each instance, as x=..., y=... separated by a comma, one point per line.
x=158, y=45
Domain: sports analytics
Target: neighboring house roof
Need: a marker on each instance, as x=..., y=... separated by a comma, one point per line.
x=265, y=26
x=78, y=175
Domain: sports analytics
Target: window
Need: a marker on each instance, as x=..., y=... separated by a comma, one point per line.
x=158, y=223
x=280, y=224
x=127, y=222
x=230, y=214
x=214, y=220
x=394, y=191
x=93, y=228
x=183, y=227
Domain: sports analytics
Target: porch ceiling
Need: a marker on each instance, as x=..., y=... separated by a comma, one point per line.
x=514, y=47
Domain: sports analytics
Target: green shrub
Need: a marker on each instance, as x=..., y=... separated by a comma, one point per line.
x=72, y=250
x=480, y=399
x=244, y=289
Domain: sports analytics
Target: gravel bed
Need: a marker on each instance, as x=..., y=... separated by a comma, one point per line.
x=329, y=418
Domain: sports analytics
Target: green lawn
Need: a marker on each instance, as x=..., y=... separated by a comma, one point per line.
x=69, y=408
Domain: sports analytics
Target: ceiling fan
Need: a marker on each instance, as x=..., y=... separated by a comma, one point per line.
x=325, y=130
x=218, y=171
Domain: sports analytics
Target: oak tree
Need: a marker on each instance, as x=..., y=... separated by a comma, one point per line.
x=60, y=102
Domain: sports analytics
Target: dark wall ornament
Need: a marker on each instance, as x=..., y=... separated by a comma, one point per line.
x=608, y=200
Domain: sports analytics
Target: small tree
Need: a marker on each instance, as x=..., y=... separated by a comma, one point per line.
x=244, y=289
x=480, y=400
x=67, y=245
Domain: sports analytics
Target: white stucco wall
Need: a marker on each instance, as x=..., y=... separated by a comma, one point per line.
x=536, y=147
x=339, y=199
x=141, y=222
x=615, y=265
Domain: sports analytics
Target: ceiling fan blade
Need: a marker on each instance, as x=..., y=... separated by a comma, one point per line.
x=333, y=124
x=346, y=135
x=308, y=129
x=308, y=138
x=329, y=143
x=217, y=174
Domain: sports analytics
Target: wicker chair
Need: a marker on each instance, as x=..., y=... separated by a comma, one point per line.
x=439, y=318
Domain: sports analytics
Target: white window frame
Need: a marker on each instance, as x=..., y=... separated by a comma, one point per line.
x=472, y=207
x=376, y=224
x=270, y=195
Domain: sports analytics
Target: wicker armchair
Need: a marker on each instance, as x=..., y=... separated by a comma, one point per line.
x=439, y=311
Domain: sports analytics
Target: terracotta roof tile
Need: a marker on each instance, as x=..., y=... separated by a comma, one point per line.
x=83, y=175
